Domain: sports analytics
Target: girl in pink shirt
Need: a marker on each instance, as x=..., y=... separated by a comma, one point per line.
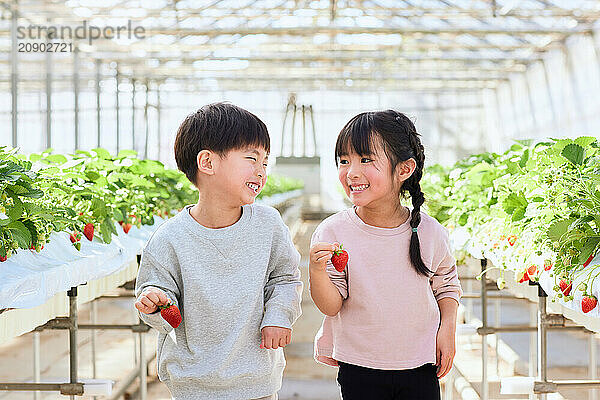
x=391, y=313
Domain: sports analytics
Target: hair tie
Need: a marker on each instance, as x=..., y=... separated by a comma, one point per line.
x=414, y=230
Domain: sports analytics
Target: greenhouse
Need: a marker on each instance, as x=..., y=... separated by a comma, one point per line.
x=312, y=200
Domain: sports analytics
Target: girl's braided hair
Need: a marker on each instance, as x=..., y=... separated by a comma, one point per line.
x=400, y=141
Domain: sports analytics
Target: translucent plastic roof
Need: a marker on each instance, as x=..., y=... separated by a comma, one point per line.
x=286, y=44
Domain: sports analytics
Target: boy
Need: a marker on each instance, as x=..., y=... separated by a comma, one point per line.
x=228, y=265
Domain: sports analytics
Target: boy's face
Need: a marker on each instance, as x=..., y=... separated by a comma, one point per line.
x=242, y=174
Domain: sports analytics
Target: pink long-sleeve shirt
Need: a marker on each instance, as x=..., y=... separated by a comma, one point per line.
x=390, y=315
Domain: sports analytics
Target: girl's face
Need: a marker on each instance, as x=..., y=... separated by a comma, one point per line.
x=367, y=179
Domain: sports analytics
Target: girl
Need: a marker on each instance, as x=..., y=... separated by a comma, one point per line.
x=391, y=313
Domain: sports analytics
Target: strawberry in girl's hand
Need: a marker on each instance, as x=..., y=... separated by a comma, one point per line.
x=171, y=314
x=88, y=231
x=565, y=287
x=340, y=259
x=588, y=303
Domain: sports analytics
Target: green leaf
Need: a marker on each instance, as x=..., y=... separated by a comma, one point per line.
x=32, y=230
x=574, y=153
x=588, y=249
x=20, y=234
x=57, y=159
x=518, y=214
x=102, y=153
x=15, y=212
x=585, y=141
x=106, y=231
x=524, y=158
x=514, y=201
x=558, y=228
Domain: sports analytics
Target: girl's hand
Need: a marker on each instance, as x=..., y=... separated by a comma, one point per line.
x=445, y=350
x=150, y=299
x=320, y=253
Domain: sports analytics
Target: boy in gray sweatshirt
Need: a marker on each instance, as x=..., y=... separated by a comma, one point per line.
x=229, y=265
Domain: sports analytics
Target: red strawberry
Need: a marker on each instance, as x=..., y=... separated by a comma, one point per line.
x=88, y=231
x=75, y=237
x=2, y=259
x=531, y=271
x=512, y=239
x=588, y=261
x=126, y=228
x=547, y=265
x=340, y=259
x=565, y=287
x=525, y=277
x=171, y=314
x=121, y=223
x=588, y=303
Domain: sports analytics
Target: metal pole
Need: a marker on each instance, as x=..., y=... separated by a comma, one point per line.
x=48, y=97
x=117, y=105
x=533, y=337
x=133, y=114
x=576, y=95
x=484, y=355
x=13, y=71
x=98, y=92
x=553, y=110
x=76, y=94
x=593, y=395
x=497, y=322
x=283, y=128
x=514, y=108
x=36, y=362
x=158, y=132
x=531, y=105
x=93, y=339
x=293, y=128
x=303, y=130
x=147, y=124
x=314, y=133
x=72, y=293
x=542, y=345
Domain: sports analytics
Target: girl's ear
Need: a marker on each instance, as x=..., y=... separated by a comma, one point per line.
x=405, y=169
x=205, y=162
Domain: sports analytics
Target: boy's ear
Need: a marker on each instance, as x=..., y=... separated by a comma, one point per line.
x=205, y=162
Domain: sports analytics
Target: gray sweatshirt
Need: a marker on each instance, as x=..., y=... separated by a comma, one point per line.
x=229, y=283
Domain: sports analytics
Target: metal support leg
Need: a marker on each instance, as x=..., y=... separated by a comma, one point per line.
x=36, y=362
x=593, y=395
x=484, y=349
x=133, y=114
x=147, y=123
x=93, y=339
x=542, y=344
x=48, y=97
x=72, y=293
x=497, y=336
x=533, y=315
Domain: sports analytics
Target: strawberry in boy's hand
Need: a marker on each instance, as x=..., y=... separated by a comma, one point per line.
x=171, y=314
x=340, y=259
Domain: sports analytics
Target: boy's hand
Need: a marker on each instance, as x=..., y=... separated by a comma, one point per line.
x=274, y=337
x=320, y=253
x=150, y=299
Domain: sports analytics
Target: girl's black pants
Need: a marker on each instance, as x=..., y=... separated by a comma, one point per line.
x=361, y=383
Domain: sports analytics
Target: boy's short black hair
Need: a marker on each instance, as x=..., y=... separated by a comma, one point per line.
x=218, y=127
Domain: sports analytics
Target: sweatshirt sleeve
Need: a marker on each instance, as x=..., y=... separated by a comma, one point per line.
x=445, y=281
x=153, y=273
x=339, y=279
x=283, y=290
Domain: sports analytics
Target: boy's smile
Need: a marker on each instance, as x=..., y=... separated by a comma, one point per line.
x=247, y=167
